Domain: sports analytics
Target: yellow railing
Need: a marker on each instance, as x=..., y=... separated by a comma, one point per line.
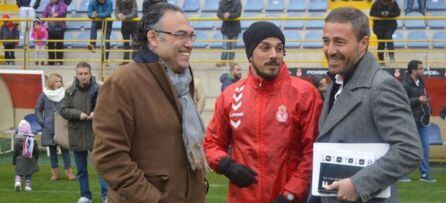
x=26, y=50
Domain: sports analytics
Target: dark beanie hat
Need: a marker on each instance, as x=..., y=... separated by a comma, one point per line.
x=259, y=31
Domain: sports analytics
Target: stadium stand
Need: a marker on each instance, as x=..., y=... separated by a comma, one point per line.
x=315, y=24
x=417, y=35
x=317, y=5
x=313, y=39
x=293, y=24
x=253, y=6
x=216, y=43
x=439, y=35
x=202, y=36
x=191, y=5
x=435, y=5
x=437, y=24
x=415, y=24
x=292, y=37
x=297, y=5
x=275, y=6
x=210, y=6
x=398, y=36
x=206, y=24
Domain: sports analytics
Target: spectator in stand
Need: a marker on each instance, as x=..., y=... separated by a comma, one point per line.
x=148, y=3
x=78, y=108
x=49, y=102
x=235, y=74
x=228, y=10
x=126, y=10
x=99, y=10
x=39, y=36
x=410, y=6
x=415, y=88
x=56, y=29
x=384, y=29
x=9, y=31
x=27, y=10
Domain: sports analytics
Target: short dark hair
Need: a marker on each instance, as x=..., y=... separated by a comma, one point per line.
x=413, y=65
x=83, y=64
x=356, y=17
x=150, y=20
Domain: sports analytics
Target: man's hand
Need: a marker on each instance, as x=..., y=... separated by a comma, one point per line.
x=84, y=116
x=121, y=16
x=226, y=15
x=94, y=15
x=346, y=190
x=238, y=174
x=91, y=116
x=423, y=99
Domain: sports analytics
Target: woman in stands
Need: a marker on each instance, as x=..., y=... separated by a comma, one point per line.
x=126, y=10
x=384, y=29
x=56, y=29
x=49, y=102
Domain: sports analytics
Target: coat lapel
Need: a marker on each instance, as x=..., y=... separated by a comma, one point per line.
x=167, y=87
x=349, y=99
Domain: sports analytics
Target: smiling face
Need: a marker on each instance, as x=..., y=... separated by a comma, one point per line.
x=267, y=58
x=341, y=47
x=174, y=50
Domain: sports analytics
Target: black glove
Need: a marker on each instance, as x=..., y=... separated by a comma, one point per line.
x=238, y=174
x=281, y=199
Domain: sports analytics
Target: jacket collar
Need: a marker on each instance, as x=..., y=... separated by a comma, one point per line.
x=145, y=55
x=362, y=78
x=262, y=85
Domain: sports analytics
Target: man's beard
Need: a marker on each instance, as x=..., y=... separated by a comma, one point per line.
x=267, y=76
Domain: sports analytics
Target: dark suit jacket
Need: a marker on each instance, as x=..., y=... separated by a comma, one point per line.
x=373, y=108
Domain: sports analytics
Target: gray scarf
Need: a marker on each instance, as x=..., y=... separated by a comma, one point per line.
x=193, y=128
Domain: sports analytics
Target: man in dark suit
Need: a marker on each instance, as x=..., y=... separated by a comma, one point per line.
x=364, y=104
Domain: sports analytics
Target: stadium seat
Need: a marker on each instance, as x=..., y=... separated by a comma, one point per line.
x=440, y=35
x=294, y=24
x=417, y=35
x=275, y=5
x=400, y=24
x=433, y=130
x=191, y=5
x=253, y=6
x=68, y=36
x=83, y=36
x=415, y=24
x=315, y=37
x=32, y=120
x=78, y=25
x=279, y=23
x=317, y=5
x=117, y=24
x=217, y=36
x=246, y=23
x=42, y=6
x=174, y=2
x=315, y=24
x=296, y=5
x=206, y=24
x=210, y=6
x=292, y=37
x=83, y=7
x=72, y=8
x=437, y=24
x=435, y=5
x=201, y=35
x=398, y=36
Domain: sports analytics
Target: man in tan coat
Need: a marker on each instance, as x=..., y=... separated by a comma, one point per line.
x=148, y=144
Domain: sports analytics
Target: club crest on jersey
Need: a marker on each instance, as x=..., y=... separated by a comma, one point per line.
x=282, y=115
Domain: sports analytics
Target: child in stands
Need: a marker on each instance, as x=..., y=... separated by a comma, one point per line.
x=39, y=36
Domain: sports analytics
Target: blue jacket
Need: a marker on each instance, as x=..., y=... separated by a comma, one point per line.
x=103, y=10
x=226, y=79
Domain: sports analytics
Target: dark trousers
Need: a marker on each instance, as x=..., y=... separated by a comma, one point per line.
x=385, y=35
x=9, y=54
x=95, y=25
x=128, y=31
x=55, y=45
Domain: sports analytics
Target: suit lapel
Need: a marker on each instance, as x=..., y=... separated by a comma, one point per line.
x=348, y=100
x=167, y=87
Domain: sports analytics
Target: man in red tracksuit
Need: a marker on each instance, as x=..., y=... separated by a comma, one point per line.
x=262, y=133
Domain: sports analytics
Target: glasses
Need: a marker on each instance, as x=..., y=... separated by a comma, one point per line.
x=181, y=35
